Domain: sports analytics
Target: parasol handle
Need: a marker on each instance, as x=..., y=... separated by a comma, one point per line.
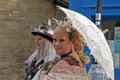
x=105, y=31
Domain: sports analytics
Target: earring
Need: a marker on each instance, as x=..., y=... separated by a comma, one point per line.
x=72, y=48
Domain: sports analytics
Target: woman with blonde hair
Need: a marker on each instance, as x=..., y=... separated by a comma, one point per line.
x=68, y=44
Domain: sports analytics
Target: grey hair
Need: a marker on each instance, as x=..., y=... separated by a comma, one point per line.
x=46, y=52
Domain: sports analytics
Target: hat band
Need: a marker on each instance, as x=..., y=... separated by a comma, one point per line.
x=48, y=33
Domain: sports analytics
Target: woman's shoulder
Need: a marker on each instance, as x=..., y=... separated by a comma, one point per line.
x=71, y=60
x=68, y=64
x=63, y=70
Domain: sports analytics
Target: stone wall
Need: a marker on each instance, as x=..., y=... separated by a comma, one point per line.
x=17, y=19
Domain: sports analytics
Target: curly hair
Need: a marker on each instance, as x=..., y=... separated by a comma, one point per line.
x=76, y=37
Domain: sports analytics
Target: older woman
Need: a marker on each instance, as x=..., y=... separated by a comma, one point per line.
x=68, y=44
x=44, y=52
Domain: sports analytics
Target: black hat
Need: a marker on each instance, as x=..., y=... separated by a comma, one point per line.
x=43, y=31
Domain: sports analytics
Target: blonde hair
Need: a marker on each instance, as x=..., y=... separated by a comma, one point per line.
x=74, y=35
x=78, y=46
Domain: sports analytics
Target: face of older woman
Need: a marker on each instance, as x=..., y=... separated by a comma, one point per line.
x=62, y=44
x=38, y=41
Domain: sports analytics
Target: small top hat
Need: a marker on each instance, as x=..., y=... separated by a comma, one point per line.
x=43, y=31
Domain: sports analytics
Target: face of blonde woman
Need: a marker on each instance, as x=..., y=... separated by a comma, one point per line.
x=38, y=41
x=62, y=44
